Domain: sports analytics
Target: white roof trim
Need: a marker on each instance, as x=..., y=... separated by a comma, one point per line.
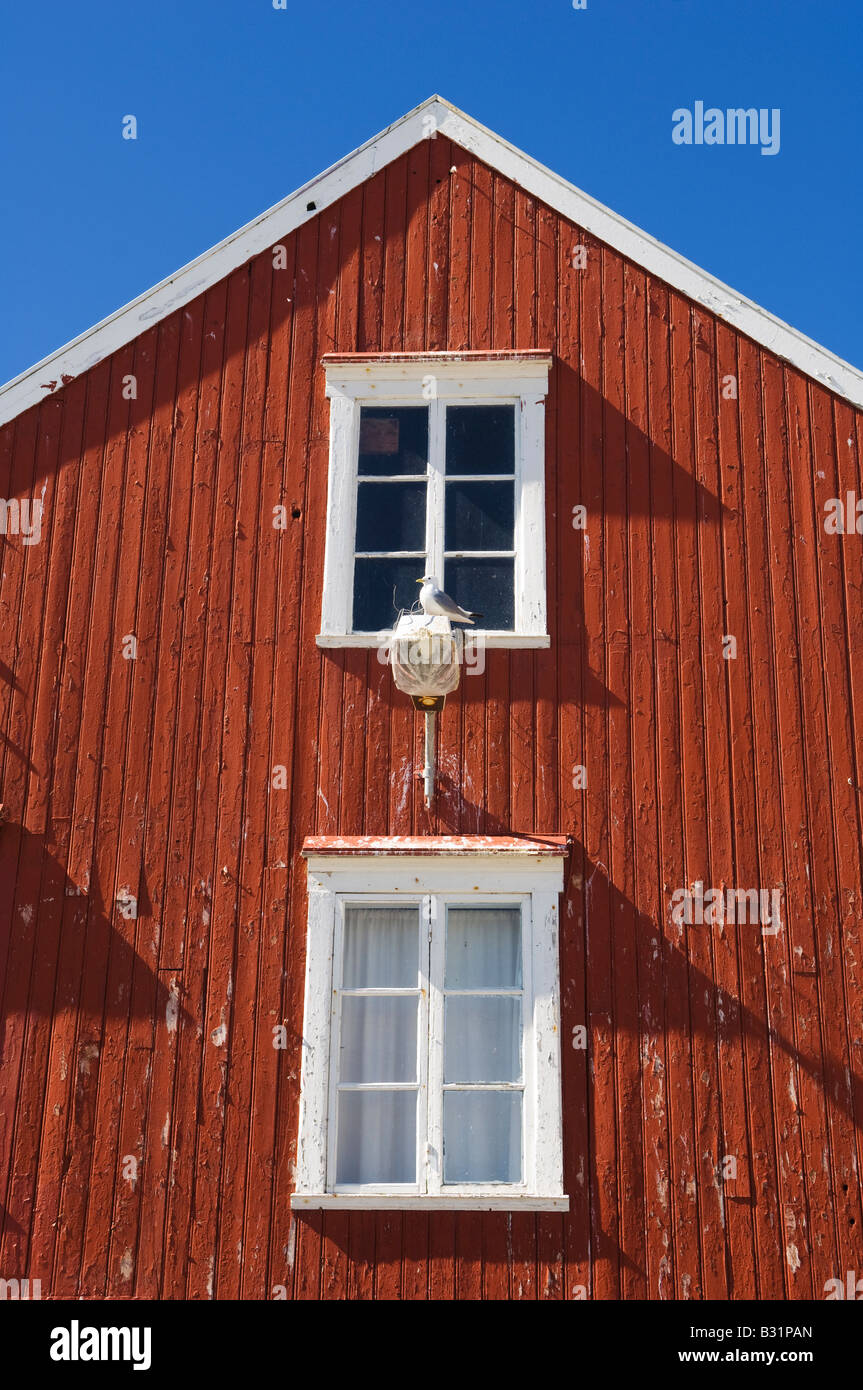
x=272, y=226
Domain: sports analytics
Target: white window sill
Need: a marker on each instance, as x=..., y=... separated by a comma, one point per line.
x=331, y=1201
x=512, y=640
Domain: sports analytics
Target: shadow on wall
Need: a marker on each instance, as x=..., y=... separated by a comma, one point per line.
x=71, y=966
x=681, y=1073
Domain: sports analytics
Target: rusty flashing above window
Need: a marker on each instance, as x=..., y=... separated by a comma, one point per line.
x=437, y=844
x=536, y=355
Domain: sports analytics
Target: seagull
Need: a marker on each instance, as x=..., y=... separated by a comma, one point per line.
x=437, y=604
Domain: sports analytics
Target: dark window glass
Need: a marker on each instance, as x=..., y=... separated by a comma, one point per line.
x=375, y=606
x=480, y=439
x=479, y=516
x=483, y=586
x=393, y=440
x=392, y=516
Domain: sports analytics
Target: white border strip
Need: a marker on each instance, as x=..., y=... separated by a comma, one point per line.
x=334, y=1201
x=433, y=115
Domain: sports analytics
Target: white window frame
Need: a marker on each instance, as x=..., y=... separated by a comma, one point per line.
x=437, y=379
x=535, y=880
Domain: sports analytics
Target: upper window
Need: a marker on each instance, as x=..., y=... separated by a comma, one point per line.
x=431, y=1038
x=436, y=467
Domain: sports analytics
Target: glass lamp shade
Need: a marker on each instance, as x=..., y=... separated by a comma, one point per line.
x=424, y=656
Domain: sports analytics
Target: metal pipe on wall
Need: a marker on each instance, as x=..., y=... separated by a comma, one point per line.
x=428, y=766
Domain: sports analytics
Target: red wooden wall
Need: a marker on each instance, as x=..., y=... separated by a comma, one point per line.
x=152, y=1038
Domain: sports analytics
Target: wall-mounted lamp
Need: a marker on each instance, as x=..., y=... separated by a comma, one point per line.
x=424, y=655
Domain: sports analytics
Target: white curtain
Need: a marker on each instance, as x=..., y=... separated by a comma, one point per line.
x=482, y=1136
x=381, y=948
x=483, y=948
x=377, y=1137
x=378, y=1044
x=482, y=1044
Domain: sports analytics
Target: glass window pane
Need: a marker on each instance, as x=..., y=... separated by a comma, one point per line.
x=483, y=586
x=393, y=440
x=482, y=1136
x=483, y=948
x=392, y=516
x=377, y=1137
x=480, y=439
x=482, y=1037
x=378, y=1037
x=381, y=948
x=479, y=516
x=382, y=588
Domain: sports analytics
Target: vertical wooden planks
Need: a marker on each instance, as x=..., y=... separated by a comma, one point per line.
x=835, y=474
x=673, y=871
x=572, y=546
x=181, y=942
x=689, y=850
x=652, y=628
x=623, y=996
x=24, y=444
x=416, y=247
x=550, y=1227
x=334, y=1227
x=757, y=788
x=810, y=1032
x=704, y=829
x=118, y=1081
x=299, y=1244
x=604, y=1210
x=491, y=309
x=84, y=943
x=522, y=774
x=733, y=821
x=275, y=1237
x=254, y=527
x=784, y=862
x=438, y=270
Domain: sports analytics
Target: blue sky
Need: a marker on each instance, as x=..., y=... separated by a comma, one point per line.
x=238, y=103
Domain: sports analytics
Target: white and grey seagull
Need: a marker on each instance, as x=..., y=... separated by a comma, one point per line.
x=436, y=604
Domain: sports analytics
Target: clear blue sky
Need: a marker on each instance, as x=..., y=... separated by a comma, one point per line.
x=238, y=104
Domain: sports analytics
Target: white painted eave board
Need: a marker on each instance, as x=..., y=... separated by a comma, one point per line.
x=265, y=231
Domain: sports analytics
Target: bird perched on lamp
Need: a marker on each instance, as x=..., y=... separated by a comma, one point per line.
x=436, y=604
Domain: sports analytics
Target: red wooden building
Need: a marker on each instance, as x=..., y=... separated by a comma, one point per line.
x=589, y=1024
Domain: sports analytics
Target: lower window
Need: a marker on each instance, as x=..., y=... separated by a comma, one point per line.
x=431, y=1041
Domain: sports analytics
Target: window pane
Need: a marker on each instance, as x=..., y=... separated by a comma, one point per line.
x=483, y=586
x=382, y=588
x=480, y=439
x=392, y=516
x=482, y=1136
x=482, y=1038
x=378, y=1038
x=483, y=948
x=393, y=439
x=377, y=1137
x=479, y=516
x=381, y=948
